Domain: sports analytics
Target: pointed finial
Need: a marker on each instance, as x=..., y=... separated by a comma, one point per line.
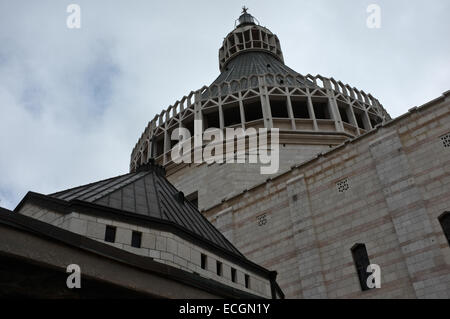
x=244, y=9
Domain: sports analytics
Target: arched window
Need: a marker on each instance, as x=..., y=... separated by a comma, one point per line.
x=361, y=260
x=444, y=219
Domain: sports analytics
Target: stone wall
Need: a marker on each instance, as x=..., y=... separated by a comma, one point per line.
x=216, y=182
x=385, y=189
x=163, y=247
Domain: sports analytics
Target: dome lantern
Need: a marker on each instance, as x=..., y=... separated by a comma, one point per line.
x=245, y=18
x=248, y=35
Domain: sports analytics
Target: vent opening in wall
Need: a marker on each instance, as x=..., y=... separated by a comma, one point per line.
x=446, y=140
x=136, y=239
x=361, y=260
x=262, y=220
x=342, y=186
x=110, y=234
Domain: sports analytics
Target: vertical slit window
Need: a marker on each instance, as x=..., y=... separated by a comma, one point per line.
x=203, y=261
x=219, y=268
x=247, y=281
x=136, y=239
x=445, y=224
x=233, y=275
x=361, y=260
x=110, y=234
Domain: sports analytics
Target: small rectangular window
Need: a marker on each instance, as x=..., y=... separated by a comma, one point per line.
x=203, y=261
x=361, y=260
x=219, y=268
x=136, y=239
x=110, y=234
x=247, y=281
x=233, y=275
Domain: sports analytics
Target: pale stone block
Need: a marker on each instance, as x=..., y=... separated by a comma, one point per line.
x=148, y=240
x=78, y=226
x=172, y=246
x=226, y=272
x=166, y=256
x=123, y=235
x=154, y=254
x=95, y=230
x=196, y=257
x=184, y=251
x=180, y=261
x=161, y=243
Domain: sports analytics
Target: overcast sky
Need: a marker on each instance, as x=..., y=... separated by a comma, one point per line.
x=73, y=102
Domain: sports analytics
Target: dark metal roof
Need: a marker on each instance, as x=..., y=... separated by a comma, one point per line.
x=253, y=63
x=148, y=193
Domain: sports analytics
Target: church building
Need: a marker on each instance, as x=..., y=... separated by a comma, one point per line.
x=355, y=190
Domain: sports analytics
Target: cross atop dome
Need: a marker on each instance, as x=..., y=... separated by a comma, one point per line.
x=245, y=18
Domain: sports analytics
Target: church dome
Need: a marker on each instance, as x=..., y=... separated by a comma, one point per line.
x=256, y=89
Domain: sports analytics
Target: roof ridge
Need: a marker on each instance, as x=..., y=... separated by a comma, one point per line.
x=158, y=200
x=85, y=185
x=126, y=193
x=110, y=189
x=216, y=233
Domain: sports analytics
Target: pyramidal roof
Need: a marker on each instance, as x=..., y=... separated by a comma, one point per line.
x=148, y=193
